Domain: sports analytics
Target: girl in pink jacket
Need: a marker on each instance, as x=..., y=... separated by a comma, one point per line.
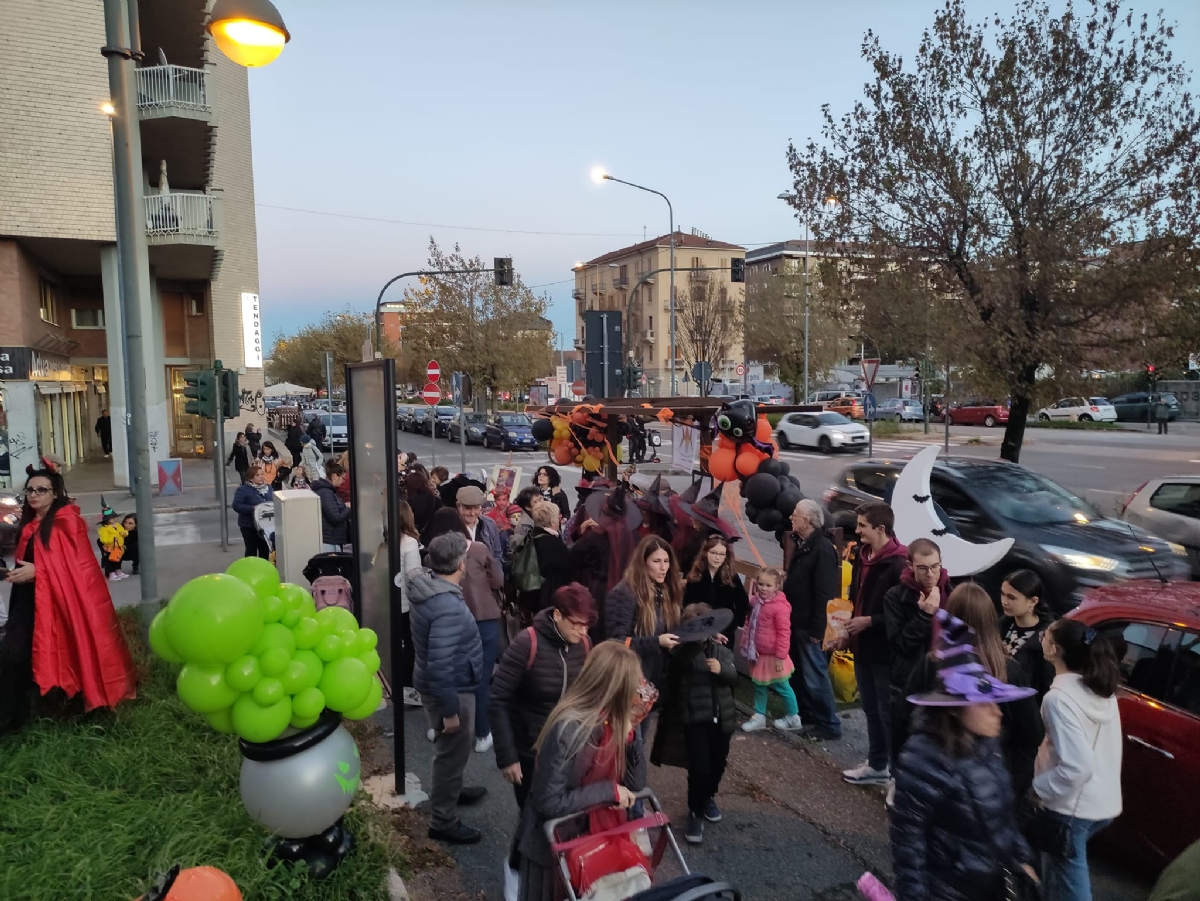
x=765, y=643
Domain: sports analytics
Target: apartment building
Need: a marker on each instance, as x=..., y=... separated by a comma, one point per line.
x=61, y=332
x=635, y=281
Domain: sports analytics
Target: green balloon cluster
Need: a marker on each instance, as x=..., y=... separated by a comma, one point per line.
x=259, y=657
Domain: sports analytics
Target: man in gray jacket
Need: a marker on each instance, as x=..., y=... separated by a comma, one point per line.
x=449, y=664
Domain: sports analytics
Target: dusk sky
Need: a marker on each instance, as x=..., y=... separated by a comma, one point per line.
x=480, y=121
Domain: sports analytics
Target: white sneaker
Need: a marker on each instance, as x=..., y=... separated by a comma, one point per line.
x=788, y=723
x=412, y=698
x=114, y=577
x=865, y=775
x=431, y=735
x=890, y=801
x=756, y=723
x=483, y=745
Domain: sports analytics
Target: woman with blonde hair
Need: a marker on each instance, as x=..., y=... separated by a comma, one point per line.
x=588, y=754
x=643, y=608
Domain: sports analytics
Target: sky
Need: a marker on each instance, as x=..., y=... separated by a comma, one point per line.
x=479, y=121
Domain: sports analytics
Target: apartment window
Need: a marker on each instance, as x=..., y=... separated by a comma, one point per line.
x=623, y=276
x=84, y=319
x=49, y=302
x=650, y=321
x=697, y=263
x=195, y=305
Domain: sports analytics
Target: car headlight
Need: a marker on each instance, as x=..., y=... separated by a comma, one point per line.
x=837, y=434
x=1081, y=560
x=473, y=431
x=1177, y=548
x=512, y=434
x=9, y=502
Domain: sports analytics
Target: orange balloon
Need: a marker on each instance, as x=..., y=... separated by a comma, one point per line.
x=747, y=461
x=203, y=884
x=564, y=453
x=721, y=464
x=725, y=441
x=763, y=430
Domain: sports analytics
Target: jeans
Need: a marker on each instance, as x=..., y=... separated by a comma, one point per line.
x=1067, y=878
x=874, y=687
x=489, y=634
x=783, y=689
x=451, y=751
x=707, y=754
x=810, y=681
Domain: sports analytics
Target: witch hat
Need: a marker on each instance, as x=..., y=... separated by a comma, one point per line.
x=962, y=679
x=706, y=512
x=656, y=498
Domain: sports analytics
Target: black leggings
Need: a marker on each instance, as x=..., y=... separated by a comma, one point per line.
x=16, y=660
x=256, y=545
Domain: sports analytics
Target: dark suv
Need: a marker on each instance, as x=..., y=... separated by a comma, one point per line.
x=1060, y=537
x=1139, y=406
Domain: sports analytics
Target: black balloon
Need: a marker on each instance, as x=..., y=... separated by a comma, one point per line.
x=784, y=469
x=770, y=520
x=737, y=420
x=779, y=533
x=787, y=500
x=542, y=429
x=762, y=489
x=741, y=487
x=795, y=481
x=770, y=466
x=751, y=512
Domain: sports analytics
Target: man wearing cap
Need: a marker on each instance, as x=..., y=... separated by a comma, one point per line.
x=480, y=528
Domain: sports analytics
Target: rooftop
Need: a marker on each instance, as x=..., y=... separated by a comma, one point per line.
x=682, y=240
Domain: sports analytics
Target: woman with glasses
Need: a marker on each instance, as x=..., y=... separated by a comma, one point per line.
x=74, y=641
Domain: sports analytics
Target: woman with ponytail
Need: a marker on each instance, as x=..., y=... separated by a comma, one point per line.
x=1026, y=617
x=1078, y=774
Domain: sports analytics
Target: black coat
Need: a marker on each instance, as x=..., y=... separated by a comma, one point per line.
x=588, y=562
x=554, y=563
x=561, y=501
x=524, y=693
x=1030, y=654
x=909, y=630
x=814, y=578
x=292, y=442
x=719, y=596
x=424, y=504
x=254, y=441
x=954, y=829
x=694, y=696
x=335, y=515
x=239, y=456
x=620, y=619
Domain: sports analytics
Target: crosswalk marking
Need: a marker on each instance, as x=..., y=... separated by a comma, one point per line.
x=884, y=448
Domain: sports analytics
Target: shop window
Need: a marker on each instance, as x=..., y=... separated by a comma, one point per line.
x=87, y=319
x=49, y=301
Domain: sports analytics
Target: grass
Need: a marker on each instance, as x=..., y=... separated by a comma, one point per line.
x=1066, y=424
x=94, y=806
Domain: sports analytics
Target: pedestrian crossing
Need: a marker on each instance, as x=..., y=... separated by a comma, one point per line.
x=881, y=450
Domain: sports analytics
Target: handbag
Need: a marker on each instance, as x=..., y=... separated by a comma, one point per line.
x=647, y=697
x=526, y=572
x=841, y=676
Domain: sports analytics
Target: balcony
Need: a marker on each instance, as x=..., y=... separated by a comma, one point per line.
x=577, y=294
x=620, y=281
x=164, y=91
x=648, y=336
x=182, y=231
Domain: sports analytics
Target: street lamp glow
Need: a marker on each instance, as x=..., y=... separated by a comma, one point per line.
x=578, y=265
x=249, y=32
x=599, y=175
x=108, y=109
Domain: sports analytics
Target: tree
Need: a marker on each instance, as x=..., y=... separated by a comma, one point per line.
x=300, y=359
x=708, y=320
x=1038, y=175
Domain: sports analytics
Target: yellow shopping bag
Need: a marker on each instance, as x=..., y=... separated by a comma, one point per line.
x=841, y=674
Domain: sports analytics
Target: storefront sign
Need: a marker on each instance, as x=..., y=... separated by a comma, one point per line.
x=252, y=331
x=18, y=364
x=14, y=363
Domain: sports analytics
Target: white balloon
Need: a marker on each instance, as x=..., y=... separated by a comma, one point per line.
x=916, y=518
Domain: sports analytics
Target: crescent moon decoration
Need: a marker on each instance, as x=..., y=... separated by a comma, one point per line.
x=916, y=517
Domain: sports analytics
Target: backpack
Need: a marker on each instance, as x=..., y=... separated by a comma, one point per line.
x=526, y=573
x=332, y=591
x=587, y=647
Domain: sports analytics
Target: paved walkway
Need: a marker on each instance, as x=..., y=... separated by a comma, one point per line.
x=92, y=480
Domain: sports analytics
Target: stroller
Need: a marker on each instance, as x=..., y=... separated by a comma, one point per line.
x=264, y=521
x=329, y=575
x=589, y=871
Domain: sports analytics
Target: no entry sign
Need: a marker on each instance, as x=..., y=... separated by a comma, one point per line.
x=433, y=371
x=432, y=394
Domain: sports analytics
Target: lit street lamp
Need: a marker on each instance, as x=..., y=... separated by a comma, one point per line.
x=249, y=32
x=598, y=176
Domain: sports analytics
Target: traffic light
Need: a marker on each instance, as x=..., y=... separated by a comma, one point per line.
x=231, y=401
x=504, y=272
x=1151, y=374
x=201, y=388
x=737, y=269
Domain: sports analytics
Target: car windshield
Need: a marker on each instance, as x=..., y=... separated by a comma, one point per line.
x=513, y=419
x=1170, y=398
x=476, y=417
x=832, y=419
x=446, y=412
x=339, y=419
x=1026, y=497
x=1100, y=401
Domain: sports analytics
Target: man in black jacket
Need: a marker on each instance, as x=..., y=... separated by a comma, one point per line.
x=813, y=580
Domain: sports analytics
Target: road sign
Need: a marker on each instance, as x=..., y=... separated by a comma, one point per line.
x=432, y=394
x=432, y=370
x=870, y=405
x=740, y=369
x=579, y=388
x=702, y=371
x=870, y=369
x=456, y=386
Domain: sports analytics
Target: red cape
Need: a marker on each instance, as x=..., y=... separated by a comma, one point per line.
x=77, y=640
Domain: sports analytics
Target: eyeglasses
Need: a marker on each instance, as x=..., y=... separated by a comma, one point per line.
x=927, y=570
x=577, y=623
x=38, y=491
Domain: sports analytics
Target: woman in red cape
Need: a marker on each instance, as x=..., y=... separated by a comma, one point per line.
x=62, y=630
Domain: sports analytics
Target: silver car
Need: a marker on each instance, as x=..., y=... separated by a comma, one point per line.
x=1169, y=508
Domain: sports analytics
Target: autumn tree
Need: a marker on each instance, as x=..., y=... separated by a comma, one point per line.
x=299, y=358
x=708, y=320
x=1038, y=174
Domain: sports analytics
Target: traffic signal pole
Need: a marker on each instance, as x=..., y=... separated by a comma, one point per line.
x=219, y=483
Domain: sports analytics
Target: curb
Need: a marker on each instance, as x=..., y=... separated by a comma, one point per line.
x=395, y=887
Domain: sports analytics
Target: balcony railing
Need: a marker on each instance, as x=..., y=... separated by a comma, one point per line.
x=164, y=89
x=620, y=281
x=190, y=216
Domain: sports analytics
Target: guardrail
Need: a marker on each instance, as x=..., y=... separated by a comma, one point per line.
x=180, y=214
x=172, y=87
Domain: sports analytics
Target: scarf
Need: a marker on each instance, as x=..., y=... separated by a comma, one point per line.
x=262, y=489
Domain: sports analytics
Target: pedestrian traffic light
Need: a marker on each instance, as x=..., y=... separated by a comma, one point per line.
x=231, y=401
x=504, y=271
x=737, y=269
x=1151, y=374
x=201, y=388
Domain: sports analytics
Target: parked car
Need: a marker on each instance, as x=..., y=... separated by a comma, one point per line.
x=1080, y=409
x=403, y=415
x=10, y=519
x=1169, y=508
x=977, y=412
x=1060, y=537
x=336, y=434
x=773, y=399
x=416, y=422
x=823, y=397
x=476, y=426
x=1156, y=627
x=1136, y=407
x=509, y=431
x=438, y=421
x=826, y=431
x=900, y=409
x=850, y=405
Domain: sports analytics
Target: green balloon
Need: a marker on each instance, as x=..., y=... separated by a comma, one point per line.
x=292, y=595
x=300, y=722
x=243, y=674
x=308, y=605
x=273, y=609
x=213, y=619
x=345, y=619
x=221, y=720
x=328, y=618
x=345, y=684
x=267, y=692
x=256, y=723
x=304, y=671
x=367, y=640
x=369, y=706
x=274, y=635
x=290, y=618
x=329, y=648
x=370, y=660
x=159, y=642
x=309, y=702
x=261, y=575
x=274, y=661
x=202, y=687
x=306, y=632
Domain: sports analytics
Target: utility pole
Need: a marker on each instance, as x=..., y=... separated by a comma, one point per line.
x=220, y=482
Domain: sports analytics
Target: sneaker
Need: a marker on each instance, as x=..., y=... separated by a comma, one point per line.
x=866, y=775
x=890, y=801
x=483, y=745
x=114, y=577
x=458, y=834
x=820, y=733
x=695, y=829
x=712, y=812
x=788, y=723
x=431, y=735
x=412, y=698
x=756, y=723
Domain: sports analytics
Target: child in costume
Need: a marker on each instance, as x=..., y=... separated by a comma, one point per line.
x=765, y=645
x=111, y=538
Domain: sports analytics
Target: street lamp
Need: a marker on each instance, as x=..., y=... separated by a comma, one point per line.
x=598, y=176
x=249, y=32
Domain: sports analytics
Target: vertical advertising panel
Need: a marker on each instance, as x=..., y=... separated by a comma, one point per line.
x=252, y=342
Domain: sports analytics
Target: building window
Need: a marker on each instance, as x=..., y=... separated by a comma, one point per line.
x=650, y=323
x=85, y=319
x=49, y=302
x=195, y=305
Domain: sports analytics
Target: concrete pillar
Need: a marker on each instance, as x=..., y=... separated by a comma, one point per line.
x=115, y=338
x=20, y=402
x=157, y=399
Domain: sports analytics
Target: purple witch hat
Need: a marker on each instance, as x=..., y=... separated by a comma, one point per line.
x=962, y=678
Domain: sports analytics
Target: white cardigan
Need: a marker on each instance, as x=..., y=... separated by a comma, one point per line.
x=410, y=560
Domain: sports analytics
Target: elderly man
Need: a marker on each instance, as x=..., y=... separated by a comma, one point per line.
x=481, y=528
x=449, y=659
x=813, y=580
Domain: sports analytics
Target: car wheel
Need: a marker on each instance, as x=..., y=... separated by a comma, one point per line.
x=784, y=444
x=989, y=421
x=1084, y=417
x=1044, y=417
x=504, y=445
x=898, y=419
x=825, y=445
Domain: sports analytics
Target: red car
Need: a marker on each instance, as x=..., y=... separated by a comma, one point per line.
x=978, y=412
x=1157, y=630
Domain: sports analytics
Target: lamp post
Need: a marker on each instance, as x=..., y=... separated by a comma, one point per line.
x=599, y=175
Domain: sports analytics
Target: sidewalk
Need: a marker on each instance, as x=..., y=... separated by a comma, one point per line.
x=92, y=480
x=177, y=565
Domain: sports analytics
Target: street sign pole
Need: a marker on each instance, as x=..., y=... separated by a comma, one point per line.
x=456, y=382
x=222, y=489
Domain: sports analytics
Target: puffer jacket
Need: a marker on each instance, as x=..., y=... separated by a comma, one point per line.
x=695, y=696
x=335, y=515
x=719, y=596
x=620, y=620
x=245, y=499
x=773, y=631
x=954, y=829
x=524, y=693
x=449, y=654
